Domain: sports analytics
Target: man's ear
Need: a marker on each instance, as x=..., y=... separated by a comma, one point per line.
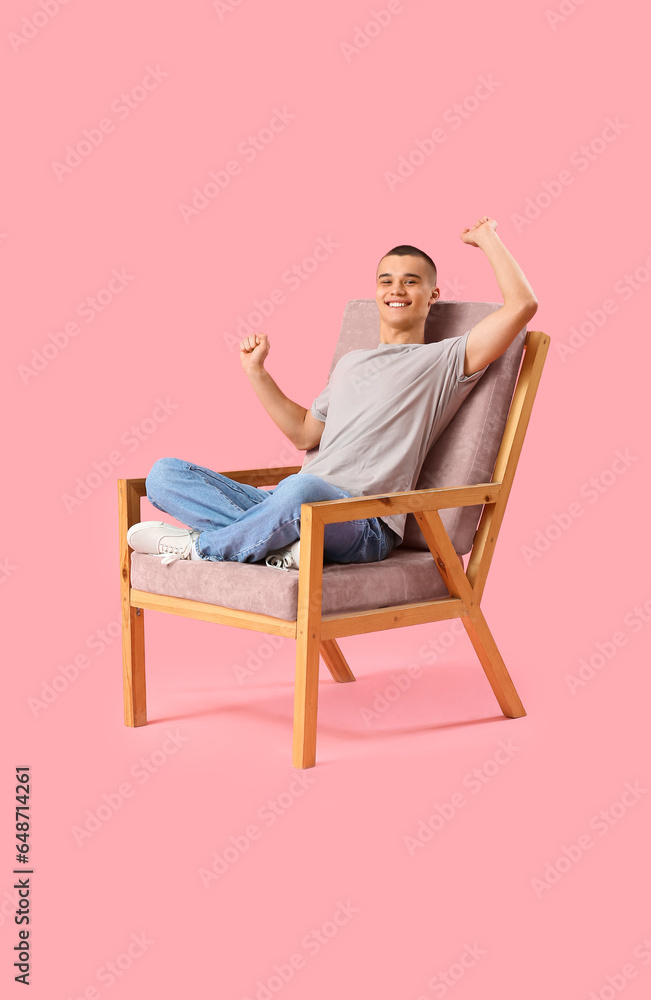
x=436, y=292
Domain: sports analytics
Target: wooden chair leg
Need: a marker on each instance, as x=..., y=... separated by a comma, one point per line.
x=133, y=667
x=308, y=639
x=493, y=664
x=474, y=622
x=335, y=661
x=306, y=693
x=133, y=619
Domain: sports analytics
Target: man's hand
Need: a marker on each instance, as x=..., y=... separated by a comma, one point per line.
x=296, y=422
x=253, y=351
x=480, y=228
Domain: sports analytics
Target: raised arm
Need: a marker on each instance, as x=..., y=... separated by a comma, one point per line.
x=296, y=423
x=489, y=339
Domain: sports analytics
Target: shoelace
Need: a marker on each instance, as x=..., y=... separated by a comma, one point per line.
x=172, y=553
x=279, y=561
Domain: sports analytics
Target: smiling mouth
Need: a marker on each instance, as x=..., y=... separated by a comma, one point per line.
x=397, y=305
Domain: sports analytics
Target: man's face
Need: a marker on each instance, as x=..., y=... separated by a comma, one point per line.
x=405, y=290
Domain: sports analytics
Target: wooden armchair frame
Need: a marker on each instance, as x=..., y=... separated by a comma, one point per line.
x=316, y=634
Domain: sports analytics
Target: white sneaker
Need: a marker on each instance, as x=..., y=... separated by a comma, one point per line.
x=158, y=538
x=286, y=558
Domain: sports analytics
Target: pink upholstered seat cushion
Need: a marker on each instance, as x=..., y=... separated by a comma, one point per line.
x=405, y=576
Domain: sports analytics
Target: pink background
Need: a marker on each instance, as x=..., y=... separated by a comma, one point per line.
x=167, y=333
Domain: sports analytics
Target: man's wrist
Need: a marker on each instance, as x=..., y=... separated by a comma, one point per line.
x=488, y=238
x=255, y=372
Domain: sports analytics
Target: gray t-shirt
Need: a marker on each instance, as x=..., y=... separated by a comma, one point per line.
x=383, y=410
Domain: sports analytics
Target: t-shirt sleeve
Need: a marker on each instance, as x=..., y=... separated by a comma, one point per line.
x=319, y=407
x=464, y=381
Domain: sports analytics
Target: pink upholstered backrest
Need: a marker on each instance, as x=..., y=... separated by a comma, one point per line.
x=465, y=452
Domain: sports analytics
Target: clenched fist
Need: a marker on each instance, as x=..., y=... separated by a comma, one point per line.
x=253, y=351
x=480, y=228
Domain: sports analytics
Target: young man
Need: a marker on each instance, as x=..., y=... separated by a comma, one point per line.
x=374, y=422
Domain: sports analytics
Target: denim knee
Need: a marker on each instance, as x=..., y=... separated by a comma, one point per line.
x=159, y=477
x=308, y=488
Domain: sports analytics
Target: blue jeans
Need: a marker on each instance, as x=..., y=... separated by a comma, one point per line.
x=242, y=523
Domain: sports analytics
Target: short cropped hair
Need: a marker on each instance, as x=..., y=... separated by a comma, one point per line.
x=408, y=251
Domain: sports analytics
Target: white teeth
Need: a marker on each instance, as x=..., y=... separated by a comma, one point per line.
x=397, y=304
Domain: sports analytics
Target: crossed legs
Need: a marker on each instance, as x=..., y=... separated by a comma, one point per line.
x=242, y=523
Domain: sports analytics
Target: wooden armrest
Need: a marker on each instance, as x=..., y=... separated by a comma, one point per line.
x=333, y=511
x=407, y=502
x=263, y=477
x=251, y=477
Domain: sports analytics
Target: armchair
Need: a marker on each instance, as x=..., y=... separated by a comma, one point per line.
x=456, y=509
